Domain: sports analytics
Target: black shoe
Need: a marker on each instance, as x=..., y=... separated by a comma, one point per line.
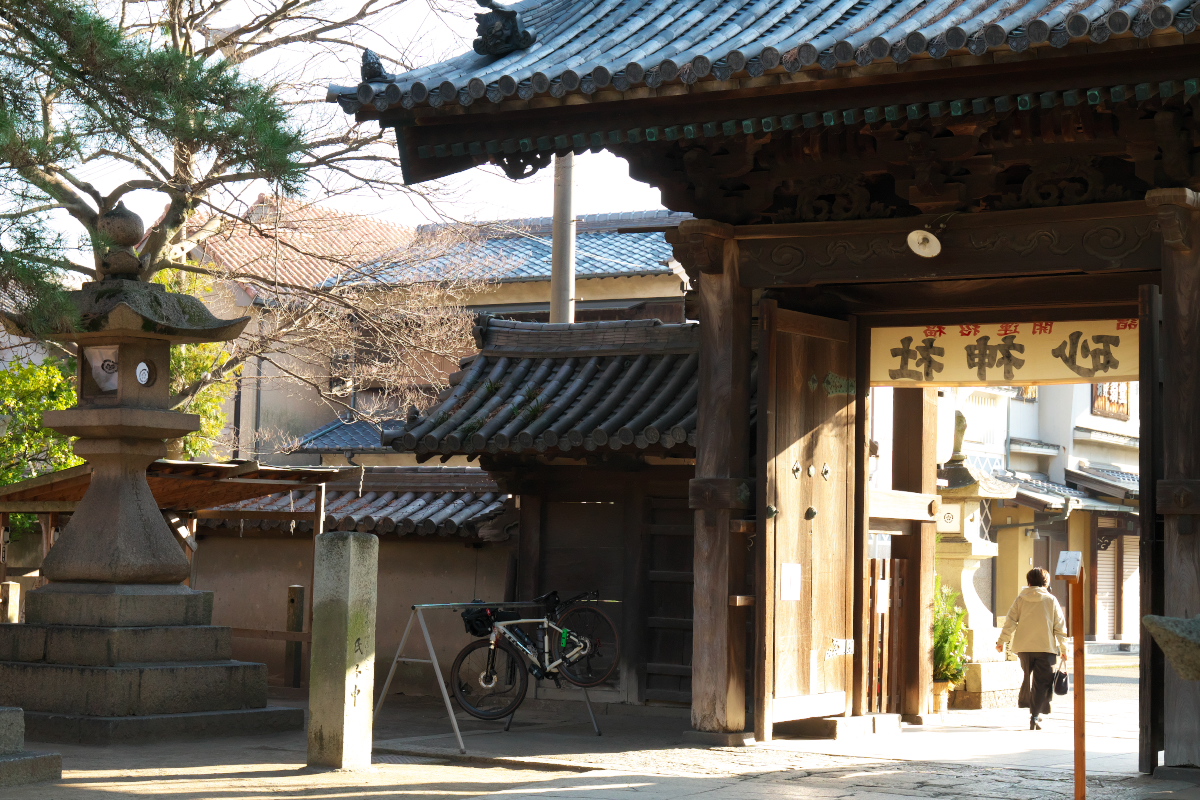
x=1035, y=724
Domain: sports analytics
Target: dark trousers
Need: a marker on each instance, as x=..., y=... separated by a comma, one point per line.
x=1038, y=684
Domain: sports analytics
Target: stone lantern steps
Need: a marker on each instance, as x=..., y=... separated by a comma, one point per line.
x=17, y=765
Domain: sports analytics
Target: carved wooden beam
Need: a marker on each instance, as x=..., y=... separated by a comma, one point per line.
x=1109, y=237
x=1176, y=214
x=699, y=245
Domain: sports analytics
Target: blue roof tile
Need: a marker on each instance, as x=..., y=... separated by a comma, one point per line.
x=519, y=250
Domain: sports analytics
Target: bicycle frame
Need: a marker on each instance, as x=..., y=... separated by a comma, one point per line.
x=542, y=659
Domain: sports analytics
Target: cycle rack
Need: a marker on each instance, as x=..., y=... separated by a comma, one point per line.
x=418, y=613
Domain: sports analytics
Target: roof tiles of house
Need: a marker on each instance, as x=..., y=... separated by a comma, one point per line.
x=300, y=243
x=627, y=385
x=1042, y=494
x=340, y=436
x=447, y=501
x=517, y=250
x=1103, y=480
x=583, y=46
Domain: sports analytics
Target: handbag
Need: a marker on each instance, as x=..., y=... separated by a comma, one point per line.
x=1060, y=682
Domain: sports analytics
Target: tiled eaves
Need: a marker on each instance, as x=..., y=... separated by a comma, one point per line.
x=949, y=110
x=401, y=510
x=869, y=35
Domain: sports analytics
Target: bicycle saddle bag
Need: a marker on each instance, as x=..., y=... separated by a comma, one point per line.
x=478, y=621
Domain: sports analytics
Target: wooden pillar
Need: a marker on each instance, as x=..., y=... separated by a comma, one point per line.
x=862, y=514
x=4, y=543
x=48, y=524
x=914, y=469
x=1179, y=493
x=1150, y=556
x=721, y=490
x=529, y=548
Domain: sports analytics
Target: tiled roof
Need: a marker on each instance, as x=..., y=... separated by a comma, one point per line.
x=445, y=501
x=359, y=436
x=627, y=385
x=519, y=249
x=1111, y=482
x=1037, y=445
x=1042, y=494
x=583, y=46
x=300, y=243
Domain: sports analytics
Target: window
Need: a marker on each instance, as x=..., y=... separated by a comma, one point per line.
x=1110, y=400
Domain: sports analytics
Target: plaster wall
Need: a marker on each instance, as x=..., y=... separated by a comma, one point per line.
x=250, y=577
x=1014, y=559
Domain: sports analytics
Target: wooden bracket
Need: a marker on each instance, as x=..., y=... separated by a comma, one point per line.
x=741, y=600
x=699, y=244
x=1178, y=496
x=713, y=494
x=1176, y=214
x=743, y=526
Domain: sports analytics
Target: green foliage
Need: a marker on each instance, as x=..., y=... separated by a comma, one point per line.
x=28, y=449
x=77, y=86
x=190, y=363
x=949, y=634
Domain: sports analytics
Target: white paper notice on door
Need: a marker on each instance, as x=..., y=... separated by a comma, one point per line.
x=790, y=583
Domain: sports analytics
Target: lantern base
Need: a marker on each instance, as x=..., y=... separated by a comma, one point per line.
x=118, y=605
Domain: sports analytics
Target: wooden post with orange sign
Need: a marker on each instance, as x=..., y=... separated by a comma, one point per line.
x=1070, y=569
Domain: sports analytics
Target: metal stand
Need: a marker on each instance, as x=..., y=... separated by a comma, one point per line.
x=418, y=613
x=587, y=701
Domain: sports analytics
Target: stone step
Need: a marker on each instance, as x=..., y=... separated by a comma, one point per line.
x=133, y=689
x=12, y=731
x=79, y=729
x=19, y=769
x=90, y=646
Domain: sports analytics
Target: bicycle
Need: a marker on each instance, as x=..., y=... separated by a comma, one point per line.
x=573, y=641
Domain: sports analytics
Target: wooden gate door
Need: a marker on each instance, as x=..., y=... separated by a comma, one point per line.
x=805, y=598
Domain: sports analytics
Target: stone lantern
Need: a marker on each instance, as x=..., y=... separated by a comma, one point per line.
x=962, y=547
x=115, y=647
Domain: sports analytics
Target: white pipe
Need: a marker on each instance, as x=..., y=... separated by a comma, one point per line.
x=562, y=258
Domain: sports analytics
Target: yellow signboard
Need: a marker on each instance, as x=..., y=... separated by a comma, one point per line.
x=1005, y=354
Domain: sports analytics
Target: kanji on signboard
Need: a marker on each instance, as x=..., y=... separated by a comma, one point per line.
x=1099, y=353
x=924, y=356
x=982, y=356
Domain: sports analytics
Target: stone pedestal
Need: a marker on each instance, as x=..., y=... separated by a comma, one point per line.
x=342, y=674
x=108, y=663
x=994, y=684
x=958, y=559
x=17, y=765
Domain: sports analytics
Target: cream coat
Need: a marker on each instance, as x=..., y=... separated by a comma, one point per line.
x=1035, y=623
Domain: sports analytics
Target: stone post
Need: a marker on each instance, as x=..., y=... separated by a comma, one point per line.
x=990, y=681
x=342, y=672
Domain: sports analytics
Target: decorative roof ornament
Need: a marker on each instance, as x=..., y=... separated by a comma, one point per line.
x=500, y=31
x=372, y=68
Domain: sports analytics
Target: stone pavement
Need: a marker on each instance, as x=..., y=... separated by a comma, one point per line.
x=554, y=754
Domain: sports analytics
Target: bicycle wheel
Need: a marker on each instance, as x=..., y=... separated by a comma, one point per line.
x=489, y=691
x=589, y=646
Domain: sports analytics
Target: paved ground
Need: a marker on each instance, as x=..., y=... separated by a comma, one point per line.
x=555, y=754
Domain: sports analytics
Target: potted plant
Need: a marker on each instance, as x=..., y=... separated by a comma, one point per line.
x=949, y=643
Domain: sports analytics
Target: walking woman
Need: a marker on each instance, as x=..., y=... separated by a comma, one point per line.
x=1038, y=632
